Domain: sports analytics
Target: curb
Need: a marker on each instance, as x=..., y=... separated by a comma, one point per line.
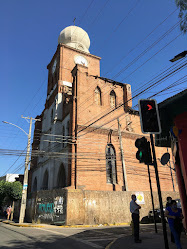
x=101, y=225
x=65, y=226
x=25, y=225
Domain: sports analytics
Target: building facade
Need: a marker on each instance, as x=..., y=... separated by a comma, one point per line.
x=173, y=115
x=86, y=139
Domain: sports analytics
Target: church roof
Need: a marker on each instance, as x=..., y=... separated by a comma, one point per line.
x=75, y=37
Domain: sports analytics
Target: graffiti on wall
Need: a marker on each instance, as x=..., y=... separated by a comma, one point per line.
x=58, y=206
x=51, y=210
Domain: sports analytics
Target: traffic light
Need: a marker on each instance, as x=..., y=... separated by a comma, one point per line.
x=150, y=122
x=144, y=151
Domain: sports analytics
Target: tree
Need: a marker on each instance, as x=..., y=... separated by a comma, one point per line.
x=182, y=5
x=14, y=193
x=2, y=192
x=14, y=190
x=10, y=192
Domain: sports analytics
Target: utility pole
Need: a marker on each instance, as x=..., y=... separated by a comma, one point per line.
x=122, y=157
x=74, y=119
x=25, y=180
x=159, y=194
x=154, y=216
x=171, y=174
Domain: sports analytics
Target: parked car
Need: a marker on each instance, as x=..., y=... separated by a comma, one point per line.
x=157, y=215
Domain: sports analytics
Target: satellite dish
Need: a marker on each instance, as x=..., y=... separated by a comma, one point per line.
x=165, y=158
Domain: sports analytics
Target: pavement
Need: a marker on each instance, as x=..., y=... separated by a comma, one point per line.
x=149, y=238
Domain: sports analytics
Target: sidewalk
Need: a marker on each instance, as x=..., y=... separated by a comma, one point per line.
x=149, y=241
x=13, y=223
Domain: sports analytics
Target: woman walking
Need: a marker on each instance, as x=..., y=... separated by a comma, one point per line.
x=175, y=217
x=9, y=209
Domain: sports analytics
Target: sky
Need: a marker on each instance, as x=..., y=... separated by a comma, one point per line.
x=130, y=37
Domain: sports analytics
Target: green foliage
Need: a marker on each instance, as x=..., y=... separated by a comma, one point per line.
x=182, y=5
x=11, y=191
x=14, y=190
x=2, y=191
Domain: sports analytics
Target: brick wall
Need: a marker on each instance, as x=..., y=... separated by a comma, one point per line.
x=94, y=136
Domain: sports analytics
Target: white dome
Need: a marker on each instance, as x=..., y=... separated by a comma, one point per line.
x=75, y=37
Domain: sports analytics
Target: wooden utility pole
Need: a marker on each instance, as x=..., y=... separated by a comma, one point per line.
x=25, y=180
x=122, y=157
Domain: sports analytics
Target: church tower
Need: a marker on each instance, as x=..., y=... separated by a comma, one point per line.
x=79, y=142
x=83, y=151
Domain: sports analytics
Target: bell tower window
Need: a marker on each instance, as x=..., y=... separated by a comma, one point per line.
x=98, y=96
x=112, y=99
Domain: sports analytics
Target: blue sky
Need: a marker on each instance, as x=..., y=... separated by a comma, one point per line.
x=29, y=35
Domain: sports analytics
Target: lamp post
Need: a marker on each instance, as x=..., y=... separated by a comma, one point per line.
x=25, y=180
x=179, y=56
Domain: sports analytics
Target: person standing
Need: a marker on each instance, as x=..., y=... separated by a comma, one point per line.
x=175, y=217
x=9, y=209
x=168, y=199
x=168, y=204
x=134, y=209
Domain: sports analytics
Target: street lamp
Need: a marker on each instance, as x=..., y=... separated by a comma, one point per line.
x=179, y=56
x=25, y=180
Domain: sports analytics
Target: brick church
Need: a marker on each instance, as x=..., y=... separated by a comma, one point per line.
x=86, y=137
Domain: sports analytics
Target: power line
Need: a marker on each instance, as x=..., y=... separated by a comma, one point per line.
x=152, y=85
x=147, y=49
x=143, y=64
x=14, y=162
x=140, y=42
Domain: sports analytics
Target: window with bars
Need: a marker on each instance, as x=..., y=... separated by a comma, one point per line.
x=112, y=99
x=111, y=173
x=98, y=96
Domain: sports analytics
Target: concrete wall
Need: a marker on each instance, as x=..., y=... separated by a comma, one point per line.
x=47, y=206
x=70, y=207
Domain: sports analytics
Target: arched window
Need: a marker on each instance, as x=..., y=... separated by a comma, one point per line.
x=111, y=173
x=112, y=99
x=98, y=96
x=45, y=180
x=61, y=179
x=35, y=185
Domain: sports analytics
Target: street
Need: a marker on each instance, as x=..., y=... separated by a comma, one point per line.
x=58, y=237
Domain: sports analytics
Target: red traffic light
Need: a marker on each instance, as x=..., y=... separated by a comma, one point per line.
x=149, y=107
x=149, y=117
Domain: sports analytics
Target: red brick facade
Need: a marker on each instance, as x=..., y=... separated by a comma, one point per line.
x=87, y=164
